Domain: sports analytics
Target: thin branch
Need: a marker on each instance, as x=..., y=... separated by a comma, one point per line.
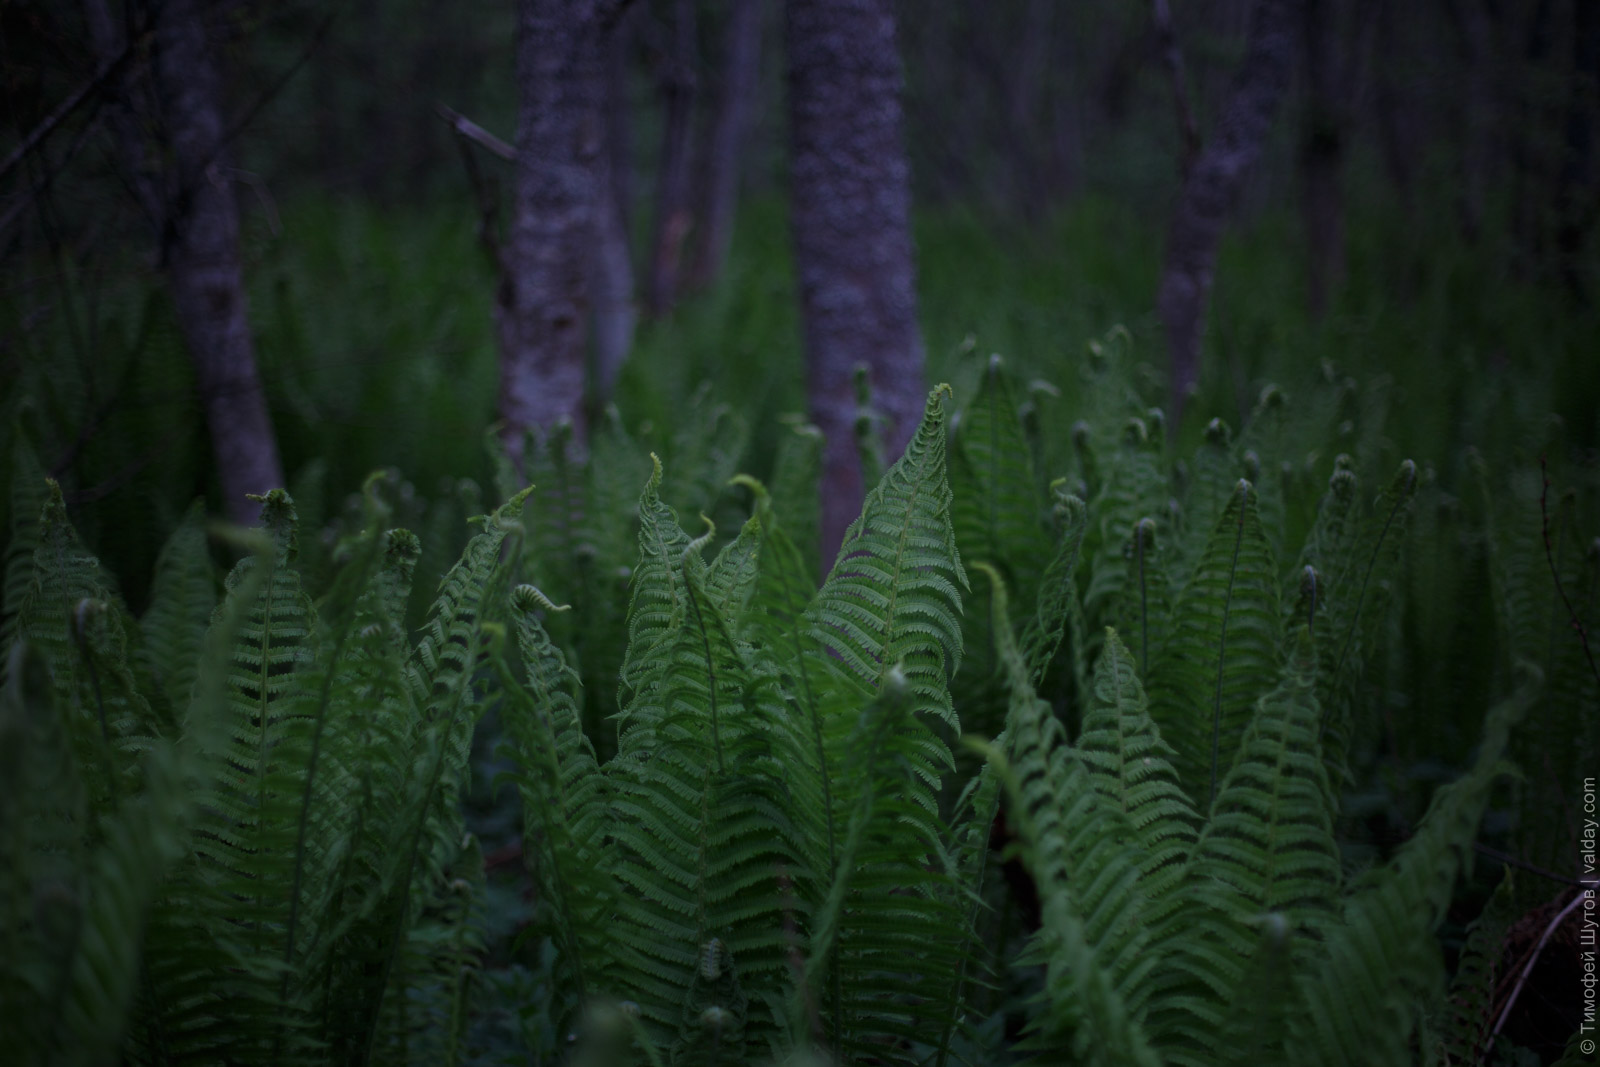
x=1533, y=957
x=1549, y=555
x=267, y=95
x=471, y=131
x=1172, y=59
x=1532, y=868
x=51, y=170
x=68, y=106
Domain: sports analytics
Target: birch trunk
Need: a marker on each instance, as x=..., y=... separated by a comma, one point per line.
x=850, y=204
x=549, y=256
x=1212, y=187
x=200, y=247
x=720, y=185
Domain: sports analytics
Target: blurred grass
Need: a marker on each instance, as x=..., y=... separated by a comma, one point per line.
x=374, y=336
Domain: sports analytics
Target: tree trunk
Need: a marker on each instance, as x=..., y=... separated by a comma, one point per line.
x=200, y=248
x=1213, y=185
x=615, y=313
x=673, y=219
x=851, y=204
x=720, y=185
x=557, y=210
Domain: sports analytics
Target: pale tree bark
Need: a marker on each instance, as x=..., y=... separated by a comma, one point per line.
x=1213, y=185
x=561, y=132
x=719, y=186
x=615, y=311
x=851, y=203
x=200, y=249
x=679, y=88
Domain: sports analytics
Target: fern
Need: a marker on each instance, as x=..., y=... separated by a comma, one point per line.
x=996, y=517
x=183, y=596
x=1379, y=966
x=1222, y=650
x=894, y=594
x=1095, y=940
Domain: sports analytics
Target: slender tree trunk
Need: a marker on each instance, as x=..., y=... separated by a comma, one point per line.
x=200, y=246
x=673, y=218
x=615, y=311
x=719, y=188
x=556, y=215
x=1213, y=185
x=615, y=314
x=851, y=205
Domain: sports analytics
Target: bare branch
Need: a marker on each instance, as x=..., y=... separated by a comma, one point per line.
x=105, y=71
x=471, y=131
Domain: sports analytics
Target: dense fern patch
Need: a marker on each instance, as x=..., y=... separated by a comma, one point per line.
x=753, y=828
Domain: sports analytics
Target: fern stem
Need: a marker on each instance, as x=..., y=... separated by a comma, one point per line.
x=1222, y=651
x=324, y=698
x=1139, y=534
x=711, y=667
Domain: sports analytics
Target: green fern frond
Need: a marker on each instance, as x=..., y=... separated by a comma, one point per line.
x=1057, y=600
x=894, y=594
x=1263, y=878
x=868, y=429
x=795, y=474
x=564, y=804
x=732, y=574
x=1359, y=564
x=1132, y=766
x=1463, y=1024
x=1222, y=650
x=183, y=596
x=1379, y=966
x=27, y=500
x=996, y=515
x=1101, y=964
x=80, y=627
x=656, y=606
x=890, y=941
x=74, y=903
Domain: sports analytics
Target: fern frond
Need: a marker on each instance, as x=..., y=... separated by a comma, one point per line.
x=183, y=596
x=1132, y=766
x=656, y=607
x=28, y=493
x=894, y=594
x=1463, y=1024
x=1263, y=877
x=1221, y=653
x=996, y=516
x=1379, y=966
x=1057, y=599
x=80, y=627
x=795, y=473
x=1358, y=582
x=564, y=805
x=890, y=941
x=1094, y=937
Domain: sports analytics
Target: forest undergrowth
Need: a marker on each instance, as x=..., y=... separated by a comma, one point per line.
x=1262, y=741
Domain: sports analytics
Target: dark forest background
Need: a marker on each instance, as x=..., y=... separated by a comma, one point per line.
x=1423, y=205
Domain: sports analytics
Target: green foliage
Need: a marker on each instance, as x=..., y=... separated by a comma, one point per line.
x=1235, y=746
